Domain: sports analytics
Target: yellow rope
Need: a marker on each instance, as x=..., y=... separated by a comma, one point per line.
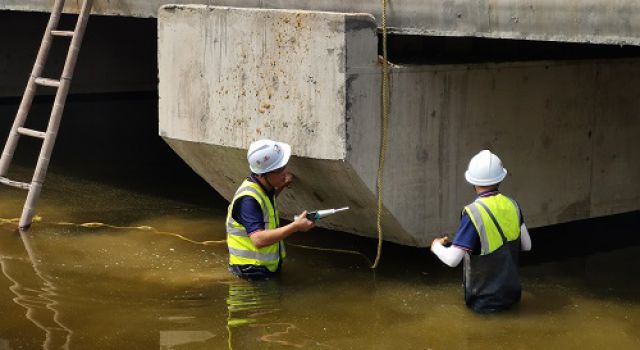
x=383, y=132
x=143, y=228
x=177, y=235
x=16, y=220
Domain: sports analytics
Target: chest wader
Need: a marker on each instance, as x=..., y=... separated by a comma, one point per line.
x=491, y=281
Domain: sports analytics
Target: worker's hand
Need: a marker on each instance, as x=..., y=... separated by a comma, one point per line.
x=302, y=223
x=441, y=240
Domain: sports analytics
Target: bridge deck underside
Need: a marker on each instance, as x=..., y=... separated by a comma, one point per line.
x=588, y=21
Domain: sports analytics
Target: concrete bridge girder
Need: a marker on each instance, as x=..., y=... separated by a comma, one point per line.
x=587, y=21
x=565, y=130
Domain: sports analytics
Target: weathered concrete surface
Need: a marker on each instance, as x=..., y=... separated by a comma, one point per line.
x=320, y=183
x=257, y=77
x=567, y=132
x=253, y=74
x=590, y=21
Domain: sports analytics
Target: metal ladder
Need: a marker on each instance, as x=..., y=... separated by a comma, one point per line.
x=62, y=86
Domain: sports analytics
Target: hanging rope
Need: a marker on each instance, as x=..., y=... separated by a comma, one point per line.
x=383, y=132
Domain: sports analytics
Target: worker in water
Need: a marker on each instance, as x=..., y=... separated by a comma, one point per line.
x=489, y=238
x=254, y=236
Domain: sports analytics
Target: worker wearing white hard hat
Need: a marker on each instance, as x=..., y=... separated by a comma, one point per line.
x=254, y=236
x=489, y=238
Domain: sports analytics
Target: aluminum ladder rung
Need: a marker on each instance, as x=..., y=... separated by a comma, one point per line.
x=16, y=184
x=32, y=133
x=67, y=33
x=48, y=82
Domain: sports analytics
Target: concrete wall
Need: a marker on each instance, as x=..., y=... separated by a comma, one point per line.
x=591, y=21
x=256, y=76
x=566, y=131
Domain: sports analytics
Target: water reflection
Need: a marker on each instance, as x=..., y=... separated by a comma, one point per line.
x=253, y=308
x=177, y=339
x=34, y=292
x=256, y=319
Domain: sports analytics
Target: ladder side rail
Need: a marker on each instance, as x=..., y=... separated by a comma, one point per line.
x=30, y=90
x=56, y=115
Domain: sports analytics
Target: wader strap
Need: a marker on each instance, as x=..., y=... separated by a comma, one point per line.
x=495, y=222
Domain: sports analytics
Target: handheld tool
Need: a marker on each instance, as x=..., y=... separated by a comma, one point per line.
x=319, y=214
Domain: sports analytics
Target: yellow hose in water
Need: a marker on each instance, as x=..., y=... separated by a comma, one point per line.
x=177, y=235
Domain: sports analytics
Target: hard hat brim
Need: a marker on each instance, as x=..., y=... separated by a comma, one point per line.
x=485, y=182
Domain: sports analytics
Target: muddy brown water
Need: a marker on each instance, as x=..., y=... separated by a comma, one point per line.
x=112, y=268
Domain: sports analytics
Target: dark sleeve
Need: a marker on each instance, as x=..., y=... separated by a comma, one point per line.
x=247, y=212
x=467, y=236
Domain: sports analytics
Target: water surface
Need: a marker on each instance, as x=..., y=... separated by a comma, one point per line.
x=112, y=268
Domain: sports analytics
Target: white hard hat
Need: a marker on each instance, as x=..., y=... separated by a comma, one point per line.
x=267, y=155
x=485, y=169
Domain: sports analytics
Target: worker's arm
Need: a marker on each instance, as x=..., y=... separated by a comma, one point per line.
x=263, y=238
x=466, y=241
x=449, y=255
x=525, y=239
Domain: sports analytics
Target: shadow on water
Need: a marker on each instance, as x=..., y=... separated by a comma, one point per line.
x=584, y=237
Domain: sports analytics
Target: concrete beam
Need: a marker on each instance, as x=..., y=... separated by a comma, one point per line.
x=586, y=21
x=566, y=131
x=265, y=80
x=280, y=74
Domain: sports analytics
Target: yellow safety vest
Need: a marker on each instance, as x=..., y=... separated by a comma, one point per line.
x=242, y=251
x=506, y=213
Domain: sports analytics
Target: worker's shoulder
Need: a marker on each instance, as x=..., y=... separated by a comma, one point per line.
x=511, y=199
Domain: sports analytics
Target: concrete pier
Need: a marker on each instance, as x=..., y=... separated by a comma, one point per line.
x=566, y=131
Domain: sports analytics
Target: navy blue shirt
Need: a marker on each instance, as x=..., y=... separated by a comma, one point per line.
x=247, y=212
x=467, y=237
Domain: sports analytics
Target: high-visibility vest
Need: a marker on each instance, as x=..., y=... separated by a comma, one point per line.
x=491, y=281
x=505, y=213
x=242, y=251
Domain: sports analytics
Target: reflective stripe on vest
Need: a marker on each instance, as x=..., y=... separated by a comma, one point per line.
x=242, y=251
x=506, y=213
x=233, y=227
x=254, y=255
